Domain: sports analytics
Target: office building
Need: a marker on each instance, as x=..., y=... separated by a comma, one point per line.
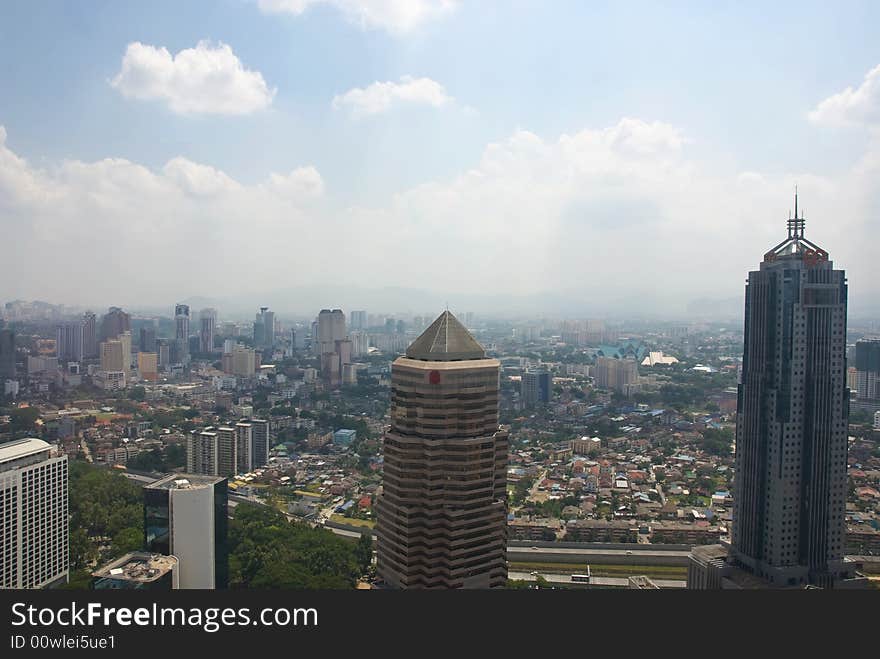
x=441, y=518
x=181, y=334
x=90, y=336
x=791, y=434
x=114, y=323
x=185, y=515
x=867, y=366
x=206, y=335
x=147, y=339
x=7, y=354
x=536, y=387
x=137, y=570
x=243, y=361
x=344, y=437
x=164, y=350
x=148, y=366
x=264, y=328
x=69, y=346
x=112, y=355
x=34, y=530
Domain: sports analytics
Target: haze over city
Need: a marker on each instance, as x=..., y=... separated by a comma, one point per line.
x=295, y=150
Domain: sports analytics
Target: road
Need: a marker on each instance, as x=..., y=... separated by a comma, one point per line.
x=570, y=552
x=619, y=582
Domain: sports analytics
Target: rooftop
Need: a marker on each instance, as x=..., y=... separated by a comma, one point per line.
x=185, y=482
x=137, y=566
x=21, y=448
x=445, y=340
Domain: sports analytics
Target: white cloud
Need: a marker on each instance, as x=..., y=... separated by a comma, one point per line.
x=851, y=107
x=382, y=96
x=302, y=183
x=202, y=80
x=618, y=215
x=395, y=16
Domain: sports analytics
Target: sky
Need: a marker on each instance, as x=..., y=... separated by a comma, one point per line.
x=608, y=156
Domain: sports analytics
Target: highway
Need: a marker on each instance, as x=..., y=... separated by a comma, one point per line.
x=618, y=582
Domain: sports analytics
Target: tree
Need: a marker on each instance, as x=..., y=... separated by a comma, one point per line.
x=128, y=539
x=364, y=552
x=137, y=393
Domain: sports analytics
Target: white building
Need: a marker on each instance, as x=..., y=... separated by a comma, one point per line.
x=186, y=517
x=34, y=529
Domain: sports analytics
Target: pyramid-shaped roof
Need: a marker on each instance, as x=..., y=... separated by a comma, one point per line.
x=444, y=341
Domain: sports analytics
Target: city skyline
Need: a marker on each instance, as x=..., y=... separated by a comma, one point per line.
x=526, y=190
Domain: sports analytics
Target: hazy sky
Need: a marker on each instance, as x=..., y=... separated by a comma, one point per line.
x=155, y=151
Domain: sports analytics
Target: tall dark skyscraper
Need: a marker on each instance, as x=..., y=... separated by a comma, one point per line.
x=90, y=336
x=791, y=437
x=181, y=333
x=114, y=323
x=442, y=515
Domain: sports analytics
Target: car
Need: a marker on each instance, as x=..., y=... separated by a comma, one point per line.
x=534, y=548
x=628, y=552
x=534, y=574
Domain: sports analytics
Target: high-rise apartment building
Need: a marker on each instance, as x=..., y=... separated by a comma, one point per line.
x=441, y=518
x=244, y=447
x=867, y=365
x=185, y=515
x=330, y=329
x=202, y=452
x=69, y=344
x=261, y=442
x=616, y=374
x=34, y=531
x=359, y=320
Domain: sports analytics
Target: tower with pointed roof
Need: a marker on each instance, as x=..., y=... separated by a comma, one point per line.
x=791, y=433
x=442, y=514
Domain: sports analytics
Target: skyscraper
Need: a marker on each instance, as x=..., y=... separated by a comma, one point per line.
x=260, y=443
x=147, y=339
x=264, y=328
x=90, y=336
x=358, y=320
x=181, y=332
x=791, y=433
x=114, y=323
x=331, y=328
x=207, y=322
x=441, y=518
x=867, y=363
x=536, y=387
x=69, y=341
x=34, y=529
